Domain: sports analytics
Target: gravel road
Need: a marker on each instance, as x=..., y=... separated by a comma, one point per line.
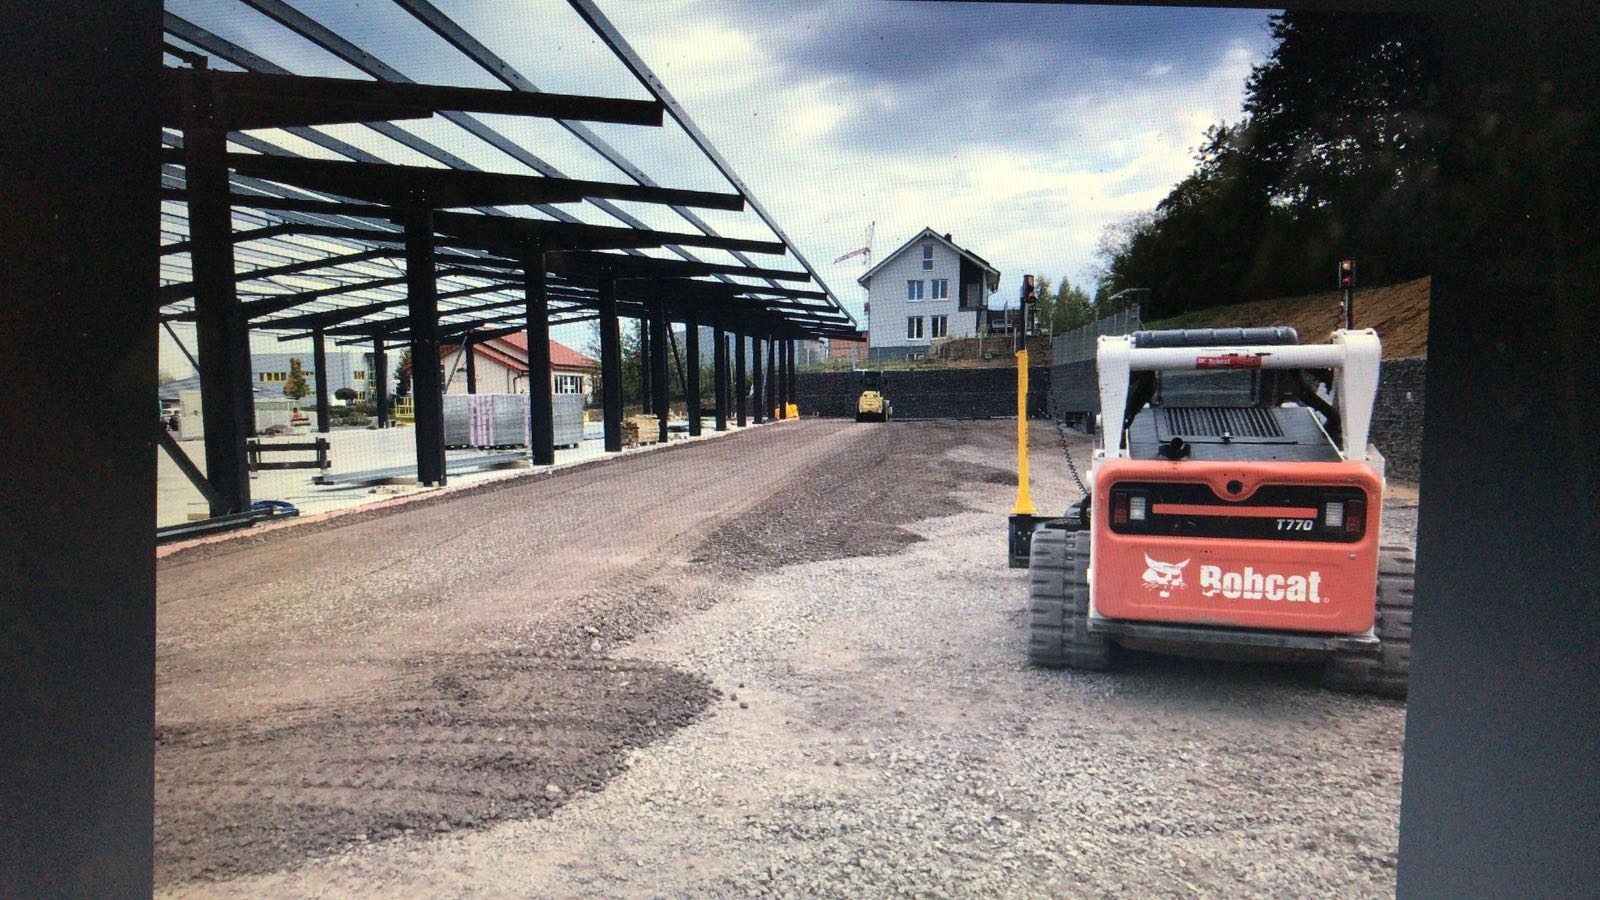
x=872, y=729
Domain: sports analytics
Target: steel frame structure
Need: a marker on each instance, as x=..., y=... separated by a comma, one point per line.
x=363, y=248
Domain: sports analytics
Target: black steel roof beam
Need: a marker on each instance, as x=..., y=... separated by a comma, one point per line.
x=245, y=59
x=172, y=293
x=443, y=188
x=626, y=267
x=244, y=100
x=324, y=37
x=608, y=33
x=493, y=64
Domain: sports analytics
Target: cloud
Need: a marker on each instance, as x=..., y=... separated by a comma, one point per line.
x=1022, y=130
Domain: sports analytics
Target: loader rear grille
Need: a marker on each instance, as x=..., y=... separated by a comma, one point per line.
x=1215, y=421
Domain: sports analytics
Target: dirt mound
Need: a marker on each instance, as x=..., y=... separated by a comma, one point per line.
x=1399, y=312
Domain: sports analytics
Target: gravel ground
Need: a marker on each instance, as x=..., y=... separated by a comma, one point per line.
x=877, y=734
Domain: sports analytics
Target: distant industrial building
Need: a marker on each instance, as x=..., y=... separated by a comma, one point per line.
x=928, y=289
x=346, y=369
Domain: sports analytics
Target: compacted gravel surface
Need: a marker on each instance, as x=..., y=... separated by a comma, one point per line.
x=825, y=695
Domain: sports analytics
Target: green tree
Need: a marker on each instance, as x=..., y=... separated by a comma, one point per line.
x=402, y=374
x=1061, y=307
x=296, y=387
x=1335, y=158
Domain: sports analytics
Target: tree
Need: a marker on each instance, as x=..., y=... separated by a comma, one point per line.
x=1062, y=308
x=164, y=377
x=402, y=374
x=295, y=387
x=1335, y=157
x=345, y=394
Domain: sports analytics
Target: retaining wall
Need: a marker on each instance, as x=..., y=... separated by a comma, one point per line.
x=988, y=393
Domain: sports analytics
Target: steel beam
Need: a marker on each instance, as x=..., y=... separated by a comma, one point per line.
x=427, y=400
x=610, y=366
x=541, y=413
x=319, y=361
x=608, y=33
x=221, y=327
x=660, y=398
x=691, y=361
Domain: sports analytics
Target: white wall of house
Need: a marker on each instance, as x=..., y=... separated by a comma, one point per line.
x=495, y=377
x=890, y=305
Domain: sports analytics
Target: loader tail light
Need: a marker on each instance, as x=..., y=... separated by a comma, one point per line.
x=1355, y=517
x=1119, y=509
x=1137, y=506
x=1333, y=515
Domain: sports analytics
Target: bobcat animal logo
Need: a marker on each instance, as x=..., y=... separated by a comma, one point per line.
x=1163, y=577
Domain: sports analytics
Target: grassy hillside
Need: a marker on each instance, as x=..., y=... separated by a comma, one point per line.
x=1399, y=312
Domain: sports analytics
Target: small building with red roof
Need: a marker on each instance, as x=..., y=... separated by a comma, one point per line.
x=500, y=366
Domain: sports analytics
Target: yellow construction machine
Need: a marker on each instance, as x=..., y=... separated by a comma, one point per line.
x=872, y=406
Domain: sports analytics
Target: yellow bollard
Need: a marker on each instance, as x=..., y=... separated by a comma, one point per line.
x=1024, y=505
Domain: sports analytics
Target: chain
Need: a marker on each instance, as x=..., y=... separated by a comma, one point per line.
x=1061, y=433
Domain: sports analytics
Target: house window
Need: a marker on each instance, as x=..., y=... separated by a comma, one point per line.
x=941, y=288
x=569, y=384
x=914, y=289
x=274, y=376
x=927, y=256
x=358, y=376
x=941, y=326
x=914, y=328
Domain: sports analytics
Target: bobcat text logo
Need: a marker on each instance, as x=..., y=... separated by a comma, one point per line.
x=1162, y=576
x=1252, y=585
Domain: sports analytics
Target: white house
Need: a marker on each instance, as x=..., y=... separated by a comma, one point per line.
x=928, y=289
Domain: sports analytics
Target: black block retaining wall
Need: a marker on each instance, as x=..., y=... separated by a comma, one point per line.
x=1397, y=416
x=989, y=393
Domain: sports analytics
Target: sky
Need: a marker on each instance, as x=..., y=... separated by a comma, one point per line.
x=1022, y=130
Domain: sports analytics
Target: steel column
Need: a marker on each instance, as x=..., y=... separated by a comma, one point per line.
x=789, y=382
x=541, y=422
x=660, y=398
x=319, y=361
x=757, y=382
x=738, y=378
x=772, y=374
x=380, y=379
x=221, y=328
x=646, y=388
x=719, y=376
x=610, y=365
x=472, y=363
x=427, y=376
x=691, y=361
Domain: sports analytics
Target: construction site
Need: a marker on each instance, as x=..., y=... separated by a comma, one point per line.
x=507, y=529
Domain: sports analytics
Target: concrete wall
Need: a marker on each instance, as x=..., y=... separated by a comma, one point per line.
x=888, y=307
x=926, y=393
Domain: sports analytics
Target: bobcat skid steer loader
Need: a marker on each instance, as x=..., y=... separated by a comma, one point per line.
x=1234, y=510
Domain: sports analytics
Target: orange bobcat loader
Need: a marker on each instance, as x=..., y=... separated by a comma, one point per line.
x=1233, y=509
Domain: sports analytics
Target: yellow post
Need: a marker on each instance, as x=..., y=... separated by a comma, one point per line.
x=1024, y=499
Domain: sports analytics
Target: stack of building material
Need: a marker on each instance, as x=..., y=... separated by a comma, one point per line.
x=457, y=421
x=567, y=417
